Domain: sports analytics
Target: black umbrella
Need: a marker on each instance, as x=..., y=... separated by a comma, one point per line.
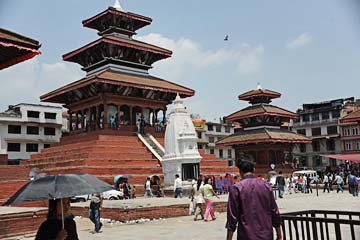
x=62, y=186
x=58, y=187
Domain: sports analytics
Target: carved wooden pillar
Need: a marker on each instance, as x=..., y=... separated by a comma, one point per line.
x=70, y=121
x=82, y=119
x=106, y=124
x=164, y=117
x=96, y=117
x=77, y=120
x=90, y=119
x=131, y=115
x=118, y=116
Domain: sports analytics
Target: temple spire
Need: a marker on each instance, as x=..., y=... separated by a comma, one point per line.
x=117, y=5
x=259, y=87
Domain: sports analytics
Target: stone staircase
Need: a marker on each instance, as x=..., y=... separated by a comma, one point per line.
x=12, y=178
x=103, y=156
x=154, y=145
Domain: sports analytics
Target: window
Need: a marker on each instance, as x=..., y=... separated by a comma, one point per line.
x=316, y=146
x=330, y=145
x=211, y=139
x=306, y=118
x=13, y=147
x=316, y=131
x=325, y=115
x=46, y=145
x=355, y=131
x=210, y=127
x=315, y=117
x=227, y=129
x=301, y=131
x=32, y=147
x=32, y=130
x=229, y=153
x=199, y=135
x=218, y=128
x=221, y=155
x=332, y=130
x=302, y=147
x=357, y=145
x=346, y=131
x=347, y=145
x=33, y=114
x=50, y=115
x=212, y=151
x=48, y=131
x=317, y=161
x=335, y=114
x=14, y=129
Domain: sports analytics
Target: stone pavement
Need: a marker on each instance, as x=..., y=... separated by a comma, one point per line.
x=186, y=228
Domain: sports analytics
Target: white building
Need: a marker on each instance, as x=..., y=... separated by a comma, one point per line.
x=209, y=133
x=26, y=129
x=320, y=122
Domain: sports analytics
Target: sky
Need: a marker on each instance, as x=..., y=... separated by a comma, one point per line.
x=307, y=50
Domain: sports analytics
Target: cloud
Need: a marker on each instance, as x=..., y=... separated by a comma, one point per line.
x=300, y=41
x=244, y=58
x=27, y=81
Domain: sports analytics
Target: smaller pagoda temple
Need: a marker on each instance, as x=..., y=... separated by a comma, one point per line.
x=263, y=137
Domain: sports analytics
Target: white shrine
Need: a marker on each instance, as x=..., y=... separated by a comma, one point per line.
x=181, y=153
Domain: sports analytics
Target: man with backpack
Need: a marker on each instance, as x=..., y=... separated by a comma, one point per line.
x=280, y=183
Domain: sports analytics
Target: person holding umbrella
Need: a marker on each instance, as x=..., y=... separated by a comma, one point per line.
x=52, y=227
x=59, y=225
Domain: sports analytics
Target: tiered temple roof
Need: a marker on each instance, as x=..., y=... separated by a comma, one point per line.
x=262, y=122
x=16, y=48
x=352, y=117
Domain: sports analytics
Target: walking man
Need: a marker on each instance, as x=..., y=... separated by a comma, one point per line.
x=178, y=187
x=339, y=182
x=252, y=208
x=280, y=183
x=95, y=206
x=326, y=183
x=148, y=192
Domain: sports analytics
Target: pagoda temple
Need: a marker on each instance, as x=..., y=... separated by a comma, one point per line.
x=118, y=90
x=106, y=106
x=263, y=137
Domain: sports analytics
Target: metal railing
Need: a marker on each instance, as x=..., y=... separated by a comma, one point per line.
x=319, y=224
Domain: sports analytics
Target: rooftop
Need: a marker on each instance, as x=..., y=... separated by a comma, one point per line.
x=259, y=93
x=261, y=109
x=263, y=135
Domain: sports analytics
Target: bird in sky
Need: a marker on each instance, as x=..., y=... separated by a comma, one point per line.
x=226, y=38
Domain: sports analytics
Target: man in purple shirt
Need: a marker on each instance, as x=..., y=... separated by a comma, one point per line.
x=252, y=208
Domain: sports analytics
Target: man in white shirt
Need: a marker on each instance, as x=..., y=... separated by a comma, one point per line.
x=339, y=181
x=178, y=186
x=148, y=192
x=326, y=183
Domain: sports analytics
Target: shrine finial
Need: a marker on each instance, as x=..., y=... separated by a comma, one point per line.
x=259, y=87
x=117, y=5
